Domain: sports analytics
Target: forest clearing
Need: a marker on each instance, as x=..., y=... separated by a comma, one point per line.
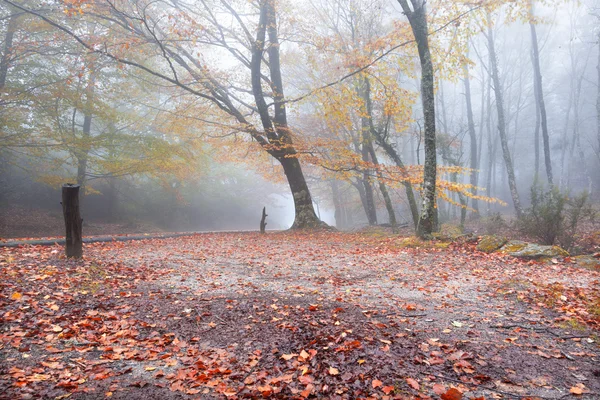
x=294, y=199
x=295, y=315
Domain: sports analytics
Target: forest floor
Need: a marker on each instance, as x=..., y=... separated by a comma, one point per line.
x=294, y=315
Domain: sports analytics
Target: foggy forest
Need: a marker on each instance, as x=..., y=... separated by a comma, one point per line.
x=346, y=199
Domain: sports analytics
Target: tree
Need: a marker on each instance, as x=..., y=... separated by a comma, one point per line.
x=152, y=28
x=417, y=17
x=474, y=157
x=495, y=75
x=539, y=93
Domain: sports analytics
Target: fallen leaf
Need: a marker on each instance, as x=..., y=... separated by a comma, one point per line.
x=452, y=394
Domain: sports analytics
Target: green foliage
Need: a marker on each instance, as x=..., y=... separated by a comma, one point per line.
x=554, y=217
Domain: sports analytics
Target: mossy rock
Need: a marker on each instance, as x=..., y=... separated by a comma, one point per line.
x=517, y=248
x=587, y=262
x=491, y=243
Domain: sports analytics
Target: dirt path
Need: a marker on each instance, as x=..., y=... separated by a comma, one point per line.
x=325, y=315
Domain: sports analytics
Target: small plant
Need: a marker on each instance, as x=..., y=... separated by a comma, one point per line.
x=554, y=216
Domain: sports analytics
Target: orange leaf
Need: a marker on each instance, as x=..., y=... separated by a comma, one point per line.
x=376, y=383
x=452, y=394
x=16, y=296
x=333, y=371
x=387, y=389
x=576, y=390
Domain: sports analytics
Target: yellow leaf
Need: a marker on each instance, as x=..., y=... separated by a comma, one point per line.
x=333, y=371
x=16, y=296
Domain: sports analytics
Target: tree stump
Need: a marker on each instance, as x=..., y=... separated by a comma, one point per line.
x=73, y=221
x=263, y=223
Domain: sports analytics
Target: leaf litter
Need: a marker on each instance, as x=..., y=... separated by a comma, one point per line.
x=294, y=315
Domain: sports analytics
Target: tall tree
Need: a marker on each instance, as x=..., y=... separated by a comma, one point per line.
x=474, y=158
x=539, y=92
x=417, y=17
x=495, y=75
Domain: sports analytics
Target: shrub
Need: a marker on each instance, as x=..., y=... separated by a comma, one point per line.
x=553, y=217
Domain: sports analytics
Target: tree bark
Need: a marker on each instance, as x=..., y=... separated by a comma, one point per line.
x=502, y=121
x=474, y=177
x=537, y=74
x=73, y=221
x=417, y=18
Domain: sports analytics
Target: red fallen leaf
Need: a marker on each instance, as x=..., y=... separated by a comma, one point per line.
x=387, y=389
x=376, y=383
x=411, y=307
x=413, y=383
x=452, y=394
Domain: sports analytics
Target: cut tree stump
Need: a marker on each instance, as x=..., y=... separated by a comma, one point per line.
x=73, y=221
x=263, y=222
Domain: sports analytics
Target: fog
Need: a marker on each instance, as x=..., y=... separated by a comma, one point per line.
x=172, y=117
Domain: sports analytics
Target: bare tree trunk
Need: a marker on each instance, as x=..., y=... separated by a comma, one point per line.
x=473, y=137
x=540, y=94
x=502, y=122
x=417, y=18
x=73, y=221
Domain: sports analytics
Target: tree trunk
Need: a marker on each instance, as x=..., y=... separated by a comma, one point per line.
x=512, y=183
x=370, y=208
x=339, y=214
x=418, y=23
x=474, y=177
x=305, y=216
x=280, y=144
x=73, y=221
x=263, y=220
x=537, y=74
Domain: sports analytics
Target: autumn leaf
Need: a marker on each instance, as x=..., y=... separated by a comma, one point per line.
x=288, y=357
x=16, y=296
x=452, y=394
x=439, y=389
x=333, y=371
x=376, y=383
x=413, y=383
x=388, y=389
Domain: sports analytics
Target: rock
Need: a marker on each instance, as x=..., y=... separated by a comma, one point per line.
x=587, y=262
x=491, y=243
x=517, y=248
